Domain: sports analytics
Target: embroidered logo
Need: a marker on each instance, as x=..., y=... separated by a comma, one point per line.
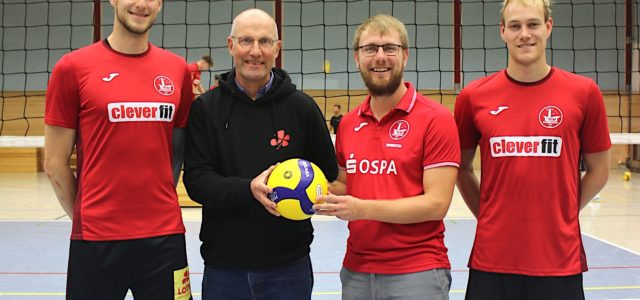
x=357, y=128
x=550, y=117
x=164, y=85
x=110, y=77
x=280, y=140
x=499, y=110
x=399, y=130
x=181, y=284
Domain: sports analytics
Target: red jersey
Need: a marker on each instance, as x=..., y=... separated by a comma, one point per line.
x=386, y=160
x=194, y=71
x=531, y=137
x=124, y=108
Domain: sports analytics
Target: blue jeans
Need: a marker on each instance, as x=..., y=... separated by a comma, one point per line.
x=294, y=281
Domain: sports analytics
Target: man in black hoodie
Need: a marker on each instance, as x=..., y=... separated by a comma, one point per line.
x=237, y=133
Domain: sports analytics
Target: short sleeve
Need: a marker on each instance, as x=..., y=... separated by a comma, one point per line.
x=186, y=97
x=463, y=115
x=62, y=104
x=594, y=135
x=441, y=144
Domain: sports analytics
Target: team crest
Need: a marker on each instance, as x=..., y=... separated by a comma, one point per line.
x=399, y=130
x=550, y=117
x=164, y=85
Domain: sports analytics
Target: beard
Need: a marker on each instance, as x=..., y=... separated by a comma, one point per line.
x=378, y=87
x=131, y=28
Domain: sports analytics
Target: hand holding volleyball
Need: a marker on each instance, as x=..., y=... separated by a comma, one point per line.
x=295, y=184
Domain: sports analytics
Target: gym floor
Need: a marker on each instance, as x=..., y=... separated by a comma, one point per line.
x=35, y=232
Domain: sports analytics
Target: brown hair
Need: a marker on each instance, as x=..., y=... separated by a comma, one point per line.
x=382, y=24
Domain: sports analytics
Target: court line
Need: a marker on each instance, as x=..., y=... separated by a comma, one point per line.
x=326, y=293
x=612, y=244
x=329, y=273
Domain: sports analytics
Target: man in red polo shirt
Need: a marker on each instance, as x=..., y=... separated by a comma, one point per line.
x=398, y=156
x=532, y=122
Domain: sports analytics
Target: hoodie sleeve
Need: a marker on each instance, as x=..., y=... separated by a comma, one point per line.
x=321, y=151
x=204, y=185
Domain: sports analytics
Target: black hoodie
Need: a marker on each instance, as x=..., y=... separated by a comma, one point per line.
x=230, y=140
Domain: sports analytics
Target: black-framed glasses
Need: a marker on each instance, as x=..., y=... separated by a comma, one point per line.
x=388, y=49
x=247, y=42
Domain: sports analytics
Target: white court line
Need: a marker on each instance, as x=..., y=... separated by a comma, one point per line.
x=612, y=244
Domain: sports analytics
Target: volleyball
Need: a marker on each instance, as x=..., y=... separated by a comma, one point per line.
x=327, y=66
x=296, y=183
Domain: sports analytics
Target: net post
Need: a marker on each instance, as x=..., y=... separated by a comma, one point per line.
x=278, y=11
x=457, y=44
x=96, y=20
x=634, y=152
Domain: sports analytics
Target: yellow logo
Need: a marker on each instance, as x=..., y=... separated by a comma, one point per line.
x=181, y=284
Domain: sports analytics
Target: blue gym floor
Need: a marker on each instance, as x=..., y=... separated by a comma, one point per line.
x=33, y=260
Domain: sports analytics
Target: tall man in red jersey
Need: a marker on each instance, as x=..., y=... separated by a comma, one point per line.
x=532, y=123
x=398, y=154
x=119, y=101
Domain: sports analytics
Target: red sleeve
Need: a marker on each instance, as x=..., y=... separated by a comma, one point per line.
x=463, y=115
x=62, y=105
x=440, y=144
x=595, y=129
x=186, y=97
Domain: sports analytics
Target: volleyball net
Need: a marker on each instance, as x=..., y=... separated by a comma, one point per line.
x=451, y=44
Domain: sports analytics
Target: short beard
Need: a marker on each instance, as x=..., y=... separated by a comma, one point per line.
x=383, y=89
x=131, y=29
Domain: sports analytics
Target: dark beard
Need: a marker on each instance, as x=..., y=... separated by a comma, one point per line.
x=382, y=89
x=133, y=30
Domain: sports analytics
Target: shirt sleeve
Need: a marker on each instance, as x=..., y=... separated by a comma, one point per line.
x=595, y=131
x=440, y=143
x=62, y=104
x=186, y=97
x=463, y=114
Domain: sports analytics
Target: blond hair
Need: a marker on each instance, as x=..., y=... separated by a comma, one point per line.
x=544, y=4
x=382, y=24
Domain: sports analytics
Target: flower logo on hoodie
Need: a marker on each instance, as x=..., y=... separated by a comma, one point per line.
x=280, y=140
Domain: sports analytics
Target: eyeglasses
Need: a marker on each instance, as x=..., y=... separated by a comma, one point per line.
x=247, y=42
x=388, y=49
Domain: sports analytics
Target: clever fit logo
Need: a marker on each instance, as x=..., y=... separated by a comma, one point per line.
x=541, y=146
x=141, y=111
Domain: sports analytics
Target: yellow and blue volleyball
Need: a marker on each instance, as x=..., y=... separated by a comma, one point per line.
x=296, y=183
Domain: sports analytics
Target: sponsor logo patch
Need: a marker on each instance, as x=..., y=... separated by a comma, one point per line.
x=110, y=77
x=399, y=130
x=374, y=166
x=498, y=110
x=280, y=139
x=357, y=128
x=550, y=117
x=181, y=284
x=141, y=111
x=542, y=146
x=164, y=85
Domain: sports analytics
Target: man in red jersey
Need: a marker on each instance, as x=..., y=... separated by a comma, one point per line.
x=532, y=123
x=398, y=155
x=203, y=64
x=119, y=101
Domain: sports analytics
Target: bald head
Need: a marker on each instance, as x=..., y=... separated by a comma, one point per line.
x=253, y=14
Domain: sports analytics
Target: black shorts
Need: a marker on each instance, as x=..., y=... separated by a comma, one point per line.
x=499, y=286
x=152, y=268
